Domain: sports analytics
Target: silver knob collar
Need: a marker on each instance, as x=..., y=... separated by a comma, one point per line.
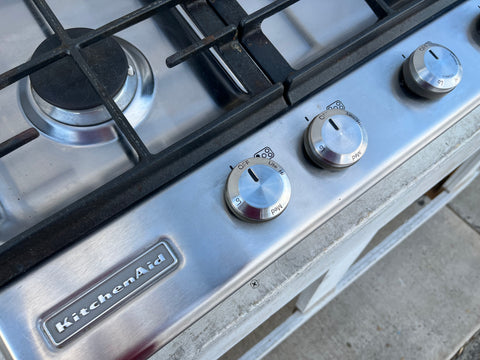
x=432, y=70
x=335, y=139
x=257, y=189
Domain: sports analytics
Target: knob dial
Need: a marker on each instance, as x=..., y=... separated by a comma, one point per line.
x=432, y=70
x=335, y=139
x=257, y=189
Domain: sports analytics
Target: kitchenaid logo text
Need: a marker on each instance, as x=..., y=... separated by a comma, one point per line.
x=95, y=302
x=102, y=298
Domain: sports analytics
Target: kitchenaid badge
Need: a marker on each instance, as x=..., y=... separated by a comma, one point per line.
x=83, y=310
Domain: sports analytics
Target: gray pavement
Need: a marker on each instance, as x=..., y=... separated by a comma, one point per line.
x=422, y=301
x=467, y=205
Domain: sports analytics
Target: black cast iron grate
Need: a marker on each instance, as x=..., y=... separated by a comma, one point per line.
x=272, y=87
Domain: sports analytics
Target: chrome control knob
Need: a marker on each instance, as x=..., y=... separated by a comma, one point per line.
x=335, y=139
x=432, y=70
x=257, y=189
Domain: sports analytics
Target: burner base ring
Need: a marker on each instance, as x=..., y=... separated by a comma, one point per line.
x=95, y=125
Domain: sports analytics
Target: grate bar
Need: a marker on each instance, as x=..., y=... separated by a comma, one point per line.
x=51, y=19
x=125, y=21
x=230, y=10
x=221, y=37
x=17, y=141
x=233, y=55
x=117, y=114
x=380, y=8
x=253, y=20
x=252, y=38
x=13, y=75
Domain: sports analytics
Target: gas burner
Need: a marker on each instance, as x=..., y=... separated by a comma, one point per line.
x=63, y=84
x=60, y=101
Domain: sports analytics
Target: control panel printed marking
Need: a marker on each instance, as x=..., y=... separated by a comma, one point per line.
x=357, y=155
x=337, y=104
x=266, y=152
x=150, y=266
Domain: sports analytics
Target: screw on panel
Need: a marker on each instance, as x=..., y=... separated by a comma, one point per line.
x=254, y=283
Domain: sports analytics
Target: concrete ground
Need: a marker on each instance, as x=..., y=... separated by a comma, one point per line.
x=421, y=301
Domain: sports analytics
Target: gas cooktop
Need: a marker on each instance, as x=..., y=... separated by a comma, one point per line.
x=165, y=150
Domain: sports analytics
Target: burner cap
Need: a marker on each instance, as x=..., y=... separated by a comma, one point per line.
x=63, y=84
